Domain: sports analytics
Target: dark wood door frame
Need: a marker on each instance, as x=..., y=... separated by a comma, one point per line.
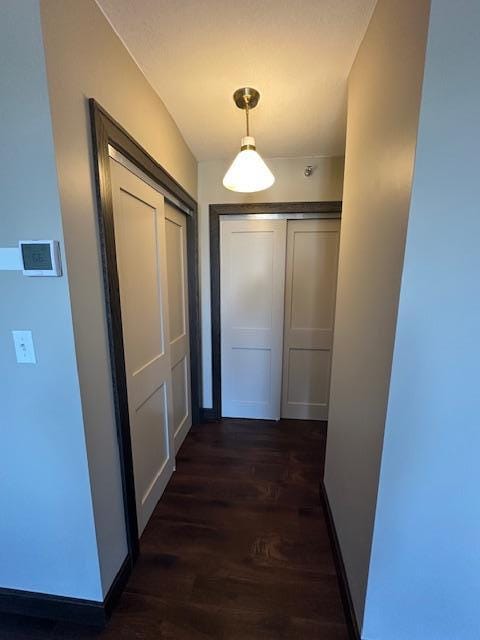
x=106, y=131
x=330, y=209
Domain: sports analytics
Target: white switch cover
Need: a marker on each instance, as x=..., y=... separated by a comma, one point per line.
x=24, y=347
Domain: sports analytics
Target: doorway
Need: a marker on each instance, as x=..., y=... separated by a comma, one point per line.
x=151, y=263
x=272, y=320
x=149, y=247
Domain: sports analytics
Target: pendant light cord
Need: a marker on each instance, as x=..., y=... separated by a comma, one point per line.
x=247, y=113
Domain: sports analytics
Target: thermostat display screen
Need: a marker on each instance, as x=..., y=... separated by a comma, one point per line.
x=37, y=257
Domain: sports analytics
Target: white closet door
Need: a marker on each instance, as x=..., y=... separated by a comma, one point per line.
x=176, y=241
x=139, y=220
x=252, y=280
x=311, y=281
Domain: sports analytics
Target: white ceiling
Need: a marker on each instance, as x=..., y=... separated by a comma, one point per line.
x=297, y=53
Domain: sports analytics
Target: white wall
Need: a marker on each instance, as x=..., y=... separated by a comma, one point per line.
x=424, y=580
x=86, y=59
x=383, y=105
x=291, y=185
x=47, y=528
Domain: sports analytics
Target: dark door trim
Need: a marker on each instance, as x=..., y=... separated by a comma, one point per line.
x=331, y=209
x=106, y=131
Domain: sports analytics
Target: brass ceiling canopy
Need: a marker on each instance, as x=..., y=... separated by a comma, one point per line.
x=246, y=97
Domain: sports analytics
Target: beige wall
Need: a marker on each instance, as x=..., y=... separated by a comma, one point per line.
x=383, y=108
x=85, y=59
x=291, y=185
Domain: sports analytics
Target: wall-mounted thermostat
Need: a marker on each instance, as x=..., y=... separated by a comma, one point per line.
x=40, y=257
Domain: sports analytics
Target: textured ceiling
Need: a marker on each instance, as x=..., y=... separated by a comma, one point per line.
x=297, y=53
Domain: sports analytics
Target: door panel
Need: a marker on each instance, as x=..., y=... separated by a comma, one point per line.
x=308, y=371
x=311, y=280
x=153, y=445
x=252, y=258
x=180, y=392
x=139, y=221
x=179, y=345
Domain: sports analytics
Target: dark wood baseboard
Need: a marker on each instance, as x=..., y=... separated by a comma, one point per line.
x=117, y=586
x=43, y=605
x=208, y=415
x=347, y=601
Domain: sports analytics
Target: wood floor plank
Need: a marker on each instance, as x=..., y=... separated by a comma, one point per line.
x=236, y=549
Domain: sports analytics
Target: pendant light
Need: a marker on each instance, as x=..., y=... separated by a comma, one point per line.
x=248, y=172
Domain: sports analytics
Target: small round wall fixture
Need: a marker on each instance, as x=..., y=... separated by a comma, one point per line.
x=308, y=171
x=248, y=172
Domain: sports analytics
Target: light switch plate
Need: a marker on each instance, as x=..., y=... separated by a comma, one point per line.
x=24, y=349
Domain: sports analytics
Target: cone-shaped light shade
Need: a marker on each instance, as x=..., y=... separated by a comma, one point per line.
x=248, y=172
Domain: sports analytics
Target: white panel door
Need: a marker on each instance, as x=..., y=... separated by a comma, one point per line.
x=311, y=282
x=176, y=242
x=252, y=281
x=139, y=219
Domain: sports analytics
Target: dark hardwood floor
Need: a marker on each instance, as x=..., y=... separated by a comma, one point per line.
x=237, y=548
